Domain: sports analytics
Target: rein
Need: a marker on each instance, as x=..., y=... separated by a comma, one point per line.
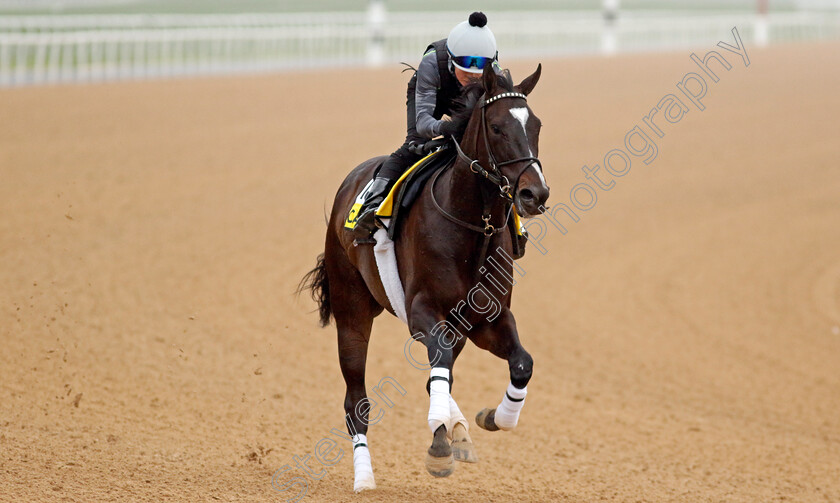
x=494, y=175
x=487, y=230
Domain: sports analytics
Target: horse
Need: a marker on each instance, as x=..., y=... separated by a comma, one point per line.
x=444, y=267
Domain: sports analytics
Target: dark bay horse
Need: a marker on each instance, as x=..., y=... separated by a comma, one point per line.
x=455, y=230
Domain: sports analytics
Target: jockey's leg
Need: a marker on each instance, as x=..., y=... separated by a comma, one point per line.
x=391, y=170
x=374, y=194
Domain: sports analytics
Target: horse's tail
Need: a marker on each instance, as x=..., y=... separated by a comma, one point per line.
x=318, y=284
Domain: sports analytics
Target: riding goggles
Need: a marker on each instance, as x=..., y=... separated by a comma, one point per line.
x=468, y=62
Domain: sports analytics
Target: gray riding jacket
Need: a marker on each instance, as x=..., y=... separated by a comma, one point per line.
x=425, y=94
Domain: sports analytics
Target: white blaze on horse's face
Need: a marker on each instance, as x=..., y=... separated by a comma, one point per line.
x=521, y=114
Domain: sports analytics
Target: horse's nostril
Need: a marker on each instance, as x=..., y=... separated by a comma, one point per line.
x=526, y=194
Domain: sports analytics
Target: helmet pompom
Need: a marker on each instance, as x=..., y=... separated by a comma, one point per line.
x=478, y=19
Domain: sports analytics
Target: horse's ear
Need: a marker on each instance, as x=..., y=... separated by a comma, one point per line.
x=508, y=78
x=489, y=79
x=526, y=86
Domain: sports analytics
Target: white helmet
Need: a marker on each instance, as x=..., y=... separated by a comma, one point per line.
x=471, y=44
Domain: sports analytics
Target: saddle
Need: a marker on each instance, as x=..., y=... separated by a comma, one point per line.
x=394, y=208
x=396, y=205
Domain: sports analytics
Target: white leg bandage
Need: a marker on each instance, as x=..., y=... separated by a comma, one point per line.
x=439, y=399
x=455, y=417
x=362, y=468
x=507, y=413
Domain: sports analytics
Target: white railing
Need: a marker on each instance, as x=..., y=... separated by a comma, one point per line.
x=97, y=22
x=51, y=49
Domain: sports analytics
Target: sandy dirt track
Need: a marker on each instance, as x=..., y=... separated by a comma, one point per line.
x=686, y=331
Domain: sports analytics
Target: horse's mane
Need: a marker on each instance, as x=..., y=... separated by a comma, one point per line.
x=464, y=105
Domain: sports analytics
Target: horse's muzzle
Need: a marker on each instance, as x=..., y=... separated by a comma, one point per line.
x=532, y=194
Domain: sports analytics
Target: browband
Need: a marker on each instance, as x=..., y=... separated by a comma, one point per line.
x=504, y=95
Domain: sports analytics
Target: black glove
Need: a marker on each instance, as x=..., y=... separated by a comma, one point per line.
x=416, y=148
x=448, y=128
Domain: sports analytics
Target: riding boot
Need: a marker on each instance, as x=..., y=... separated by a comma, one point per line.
x=367, y=223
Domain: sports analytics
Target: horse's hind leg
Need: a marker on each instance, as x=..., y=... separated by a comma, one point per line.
x=352, y=354
x=354, y=309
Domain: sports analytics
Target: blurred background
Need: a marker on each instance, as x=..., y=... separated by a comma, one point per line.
x=154, y=224
x=47, y=41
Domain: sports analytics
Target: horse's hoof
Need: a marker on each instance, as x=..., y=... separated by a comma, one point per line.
x=440, y=467
x=486, y=420
x=364, y=485
x=464, y=451
x=462, y=446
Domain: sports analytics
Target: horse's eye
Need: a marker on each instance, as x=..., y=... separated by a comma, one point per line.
x=495, y=128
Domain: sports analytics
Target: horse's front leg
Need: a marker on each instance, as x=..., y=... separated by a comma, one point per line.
x=440, y=341
x=503, y=341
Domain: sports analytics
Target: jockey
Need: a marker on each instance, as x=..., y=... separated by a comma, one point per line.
x=446, y=67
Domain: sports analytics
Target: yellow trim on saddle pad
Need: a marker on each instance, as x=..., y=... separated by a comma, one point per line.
x=386, y=209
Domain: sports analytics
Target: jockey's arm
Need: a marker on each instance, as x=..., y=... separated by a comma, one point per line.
x=425, y=95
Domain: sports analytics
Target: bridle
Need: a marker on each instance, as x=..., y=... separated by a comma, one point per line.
x=493, y=174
